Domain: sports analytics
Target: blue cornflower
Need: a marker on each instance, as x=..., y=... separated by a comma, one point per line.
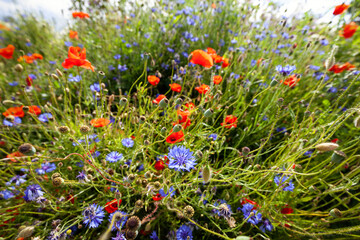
x=6, y=194
x=213, y=136
x=45, y=117
x=170, y=50
x=17, y=121
x=247, y=209
x=46, y=167
x=117, y=56
x=13, y=84
x=333, y=90
x=32, y=192
x=68, y=44
x=288, y=69
x=32, y=76
x=266, y=226
x=18, y=180
x=234, y=41
x=313, y=67
x=184, y=233
x=154, y=236
x=28, y=44
x=82, y=177
x=122, y=68
x=224, y=209
x=281, y=129
x=324, y=42
x=93, y=215
x=119, y=236
x=308, y=153
x=95, y=87
x=170, y=191
x=71, y=78
x=121, y=222
x=114, y=157
x=256, y=218
x=181, y=158
x=281, y=179
x=127, y=142
x=52, y=62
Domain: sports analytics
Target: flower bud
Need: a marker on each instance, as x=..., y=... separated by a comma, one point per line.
x=54, y=76
x=206, y=173
x=357, y=122
x=27, y=149
x=325, y=147
x=123, y=102
x=335, y=213
x=188, y=211
x=208, y=113
x=163, y=103
x=19, y=68
x=133, y=223
x=177, y=128
x=59, y=72
x=178, y=101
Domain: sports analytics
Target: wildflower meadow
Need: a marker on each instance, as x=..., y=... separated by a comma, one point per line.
x=180, y=119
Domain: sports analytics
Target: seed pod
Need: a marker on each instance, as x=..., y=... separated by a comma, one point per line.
x=63, y=129
x=335, y=213
x=206, y=173
x=208, y=113
x=18, y=68
x=59, y=72
x=357, y=122
x=163, y=103
x=54, y=76
x=139, y=204
x=27, y=149
x=177, y=128
x=188, y=211
x=57, y=181
x=130, y=235
x=338, y=157
x=133, y=223
x=85, y=129
x=325, y=147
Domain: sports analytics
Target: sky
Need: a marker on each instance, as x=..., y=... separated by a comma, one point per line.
x=52, y=9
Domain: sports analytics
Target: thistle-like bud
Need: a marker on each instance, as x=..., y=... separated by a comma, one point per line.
x=19, y=68
x=188, y=211
x=177, y=128
x=84, y=129
x=27, y=149
x=133, y=223
x=57, y=181
x=199, y=154
x=325, y=147
x=130, y=234
x=123, y=101
x=206, y=173
x=335, y=213
x=55, y=175
x=157, y=185
x=63, y=129
x=139, y=204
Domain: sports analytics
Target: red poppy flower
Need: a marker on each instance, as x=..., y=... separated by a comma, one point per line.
x=347, y=66
x=37, y=56
x=349, y=30
x=159, y=165
x=287, y=210
x=4, y=27
x=30, y=59
x=77, y=57
x=202, y=58
x=334, y=140
x=203, y=89
x=183, y=118
x=35, y=110
x=71, y=198
x=340, y=9
x=14, y=155
x=190, y=106
x=175, y=87
x=153, y=80
x=99, y=122
x=14, y=111
x=175, y=137
x=80, y=15
x=29, y=81
x=291, y=81
x=157, y=197
x=211, y=51
x=112, y=206
x=230, y=121
x=7, y=52
x=73, y=34
x=217, y=79
x=159, y=98
x=225, y=63
x=245, y=200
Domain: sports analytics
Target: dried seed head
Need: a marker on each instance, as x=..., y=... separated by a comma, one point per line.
x=63, y=129
x=139, y=204
x=27, y=149
x=130, y=235
x=325, y=147
x=55, y=175
x=133, y=223
x=188, y=211
x=57, y=181
x=84, y=129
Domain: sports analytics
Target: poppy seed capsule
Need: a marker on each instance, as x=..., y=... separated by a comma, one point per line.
x=163, y=103
x=338, y=156
x=84, y=129
x=63, y=129
x=188, y=211
x=178, y=101
x=142, y=119
x=139, y=204
x=133, y=223
x=123, y=101
x=325, y=147
x=177, y=128
x=27, y=149
x=208, y=113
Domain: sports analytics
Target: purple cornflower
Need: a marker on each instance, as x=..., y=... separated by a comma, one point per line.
x=247, y=209
x=181, y=158
x=113, y=157
x=170, y=191
x=45, y=117
x=308, y=153
x=119, y=236
x=82, y=177
x=285, y=70
x=17, y=121
x=122, y=68
x=213, y=136
x=266, y=226
x=93, y=215
x=71, y=78
x=68, y=44
x=32, y=192
x=121, y=222
x=95, y=87
x=117, y=56
x=18, y=180
x=6, y=194
x=184, y=233
x=281, y=179
x=154, y=236
x=46, y=167
x=127, y=142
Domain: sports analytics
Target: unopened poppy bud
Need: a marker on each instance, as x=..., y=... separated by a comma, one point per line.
x=273, y=83
x=54, y=76
x=338, y=156
x=59, y=72
x=245, y=151
x=26, y=232
x=199, y=154
x=123, y=101
x=131, y=178
x=118, y=195
x=10, y=118
x=178, y=101
x=57, y=181
x=177, y=128
x=206, y=173
x=357, y=122
x=208, y=113
x=60, y=164
x=335, y=213
x=312, y=189
x=27, y=149
x=144, y=182
x=148, y=174
x=148, y=227
x=163, y=130
x=18, y=68
x=163, y=103
x=325, y=147
x=101, y=73
x=157, y=185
